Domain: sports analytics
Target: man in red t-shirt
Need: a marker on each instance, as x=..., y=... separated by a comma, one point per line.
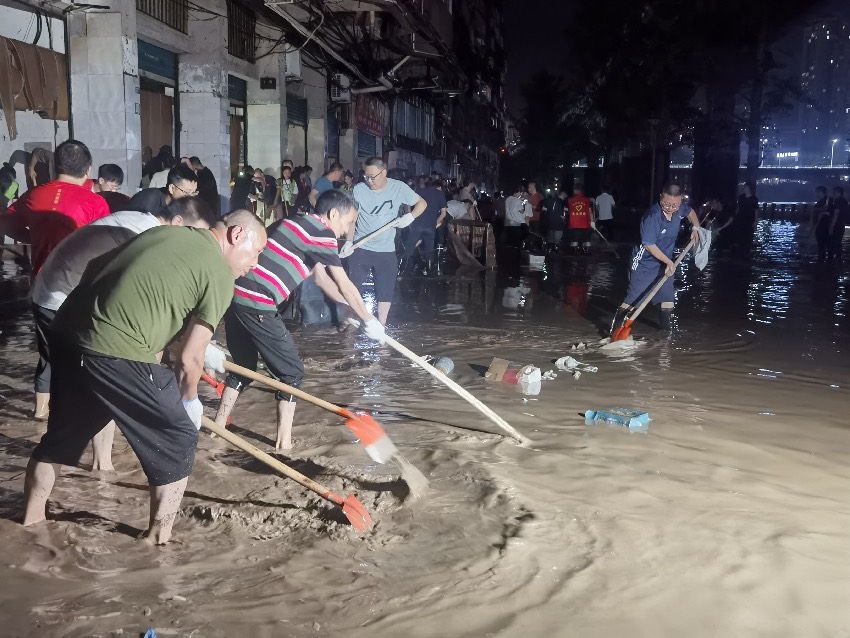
x=43, y=217
x=535, y=198
x=47, y=214
x=581, y=218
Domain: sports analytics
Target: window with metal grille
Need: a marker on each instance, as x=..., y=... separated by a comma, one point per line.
x=174, y=13
x=241, y=28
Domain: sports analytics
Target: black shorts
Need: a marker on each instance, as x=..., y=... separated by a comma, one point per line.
x=87, y=391
x=385, y=267
x=42, y=317
x=580, y=235
x=252, y=333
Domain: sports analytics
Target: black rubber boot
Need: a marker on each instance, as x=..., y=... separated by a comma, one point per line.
x=665, y=319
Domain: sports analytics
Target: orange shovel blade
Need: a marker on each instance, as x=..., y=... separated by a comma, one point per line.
x=218, y=385
x=356, y=514
x=623, y=332
x=365, y=428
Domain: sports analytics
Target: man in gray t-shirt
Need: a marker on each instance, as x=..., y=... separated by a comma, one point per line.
x=378, y=202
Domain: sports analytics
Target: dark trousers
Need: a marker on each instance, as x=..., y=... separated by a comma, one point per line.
x=42, y=317
x=826, y=245
x=836, y=238
x=426, y=248
x=252, y=333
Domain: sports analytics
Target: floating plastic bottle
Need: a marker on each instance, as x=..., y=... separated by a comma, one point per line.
x=633, y=419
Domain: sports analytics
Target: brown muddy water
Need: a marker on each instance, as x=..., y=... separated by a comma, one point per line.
x=730, y=516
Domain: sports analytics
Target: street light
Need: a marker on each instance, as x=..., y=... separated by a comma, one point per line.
x=832, y=154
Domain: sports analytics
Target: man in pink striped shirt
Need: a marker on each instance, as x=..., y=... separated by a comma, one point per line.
x=298, y=247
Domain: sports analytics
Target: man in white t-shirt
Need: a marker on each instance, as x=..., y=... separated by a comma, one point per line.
x=65, y=266
x=518, y=211
x=605, y=212
x=379, y=199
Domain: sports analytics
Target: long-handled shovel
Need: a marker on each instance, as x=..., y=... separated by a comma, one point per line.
x=351, y=507
x=605, y=239
x=442, y=378
x=376, y=233
x=622, y=333
x=378, y=445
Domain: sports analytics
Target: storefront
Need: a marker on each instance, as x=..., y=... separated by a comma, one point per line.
x=297, y=118
x=369, y=122
x=159, y=100
x=237, y=92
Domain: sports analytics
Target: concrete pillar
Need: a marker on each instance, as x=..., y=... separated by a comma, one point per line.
x=347, y=149
x=204, y=103
x=105, y=88
x=266, y=116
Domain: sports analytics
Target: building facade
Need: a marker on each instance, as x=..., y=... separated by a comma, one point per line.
x=238, y=82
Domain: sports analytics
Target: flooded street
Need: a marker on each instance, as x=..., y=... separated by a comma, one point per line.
x=729, y=516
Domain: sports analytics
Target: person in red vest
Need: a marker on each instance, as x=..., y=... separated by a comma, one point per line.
x=43, y=217
x=581, y=220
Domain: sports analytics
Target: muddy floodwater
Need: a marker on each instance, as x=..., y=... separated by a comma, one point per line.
x=729, y=516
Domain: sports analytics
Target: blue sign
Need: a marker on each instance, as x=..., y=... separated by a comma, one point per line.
x=157, y=60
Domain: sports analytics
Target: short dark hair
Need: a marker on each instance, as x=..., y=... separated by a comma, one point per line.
x=307, y=168
x=191, y=209
x=437, y=183
x=605, y=188
x=148, y=200
x=333, y=199
x=111, y=173
x=336, y=166
x=181, y=173
x=673, y=190
x=72, y=158
x=195, y=160
x=375, y=161
x=348, y=174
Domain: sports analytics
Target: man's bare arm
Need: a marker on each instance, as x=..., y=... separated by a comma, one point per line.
x=190, y=363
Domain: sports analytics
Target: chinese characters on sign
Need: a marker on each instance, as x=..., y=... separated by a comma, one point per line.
x=369, y=115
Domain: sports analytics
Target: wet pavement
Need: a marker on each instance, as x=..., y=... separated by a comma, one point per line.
x=729, y=516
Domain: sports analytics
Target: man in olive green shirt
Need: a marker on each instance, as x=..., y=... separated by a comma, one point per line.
x=164, y=286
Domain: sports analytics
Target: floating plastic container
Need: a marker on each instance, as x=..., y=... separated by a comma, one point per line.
x=444, y=365
x=619, y=416
x=512, y=372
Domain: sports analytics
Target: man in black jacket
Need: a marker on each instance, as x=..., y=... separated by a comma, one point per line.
x=207, y=186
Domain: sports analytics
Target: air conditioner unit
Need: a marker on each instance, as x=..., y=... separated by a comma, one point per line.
x=292, y=65
x=340, y=89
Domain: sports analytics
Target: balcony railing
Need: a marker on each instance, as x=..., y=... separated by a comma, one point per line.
x=241, y=31
x=174, y=13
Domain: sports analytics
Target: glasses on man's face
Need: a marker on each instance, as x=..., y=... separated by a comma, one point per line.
x=372, y=178
x=193, y=193
x=670, y=206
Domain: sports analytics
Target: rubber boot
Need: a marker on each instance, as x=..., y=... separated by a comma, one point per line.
x=42, y=406
x=228, y=400
x=403, y=265
x=665, y=319
x=619, y=319
x=430, y=268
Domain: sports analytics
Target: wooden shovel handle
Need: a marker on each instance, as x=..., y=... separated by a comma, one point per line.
x=282, y=387
x=651, y=295
x=272, y=462
x=380, y=231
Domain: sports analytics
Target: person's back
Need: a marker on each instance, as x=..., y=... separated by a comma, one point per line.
x=133, y=301
x=580, y=211
x=605, y=206
x=55, y=210
x=436, y=202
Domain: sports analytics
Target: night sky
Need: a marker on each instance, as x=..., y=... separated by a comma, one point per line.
x=533, y=34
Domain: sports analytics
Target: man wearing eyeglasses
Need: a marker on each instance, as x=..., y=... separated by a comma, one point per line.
x=182, y=182
x=653, y=259
x=379, y=199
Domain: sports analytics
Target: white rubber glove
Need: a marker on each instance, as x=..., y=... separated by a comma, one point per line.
x=374, y=330
x=593, y=224
x=195, y=409
x=347, y=249
x=214, y=358
x=405, y=220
